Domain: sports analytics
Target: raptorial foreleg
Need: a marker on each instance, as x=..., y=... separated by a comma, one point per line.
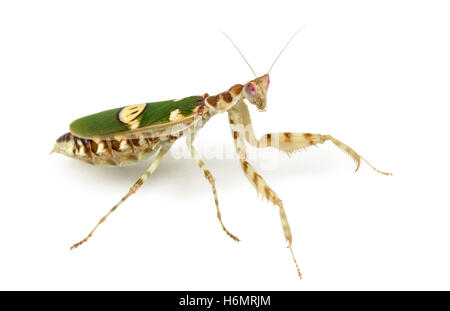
x=292, y=142
x=240, y=122
x=264, y=190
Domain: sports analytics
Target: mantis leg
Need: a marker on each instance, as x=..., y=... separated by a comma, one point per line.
x=286, y=142
x=242, y=130
x=262, y=187
x=132, y=190
x=292, y=142
x=212, y=181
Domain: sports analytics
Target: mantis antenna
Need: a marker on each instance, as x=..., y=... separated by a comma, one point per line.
x=228, y=37
x=282, y=50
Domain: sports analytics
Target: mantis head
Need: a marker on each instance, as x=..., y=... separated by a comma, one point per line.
x=255, y=91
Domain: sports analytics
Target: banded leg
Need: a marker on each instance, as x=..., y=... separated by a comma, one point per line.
x=212, y=181
x=292, y=142
x=242, y=130
x=239, y=119
x=264, y=190
x=132, y=190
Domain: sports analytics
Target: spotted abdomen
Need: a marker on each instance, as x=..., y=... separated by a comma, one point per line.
x=106, y=152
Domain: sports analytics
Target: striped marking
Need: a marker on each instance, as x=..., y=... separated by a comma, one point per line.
x=212, y=181
x=116, y=152
x=129, y=115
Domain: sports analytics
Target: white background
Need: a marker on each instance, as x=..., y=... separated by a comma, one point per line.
x=374, y=74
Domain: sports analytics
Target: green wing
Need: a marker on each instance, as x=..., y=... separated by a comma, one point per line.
x=123, y=119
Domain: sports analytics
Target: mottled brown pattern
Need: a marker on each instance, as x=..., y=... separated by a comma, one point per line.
x=115, y=152
x=64, y=138
x=139, y=182
x=267, y=191
x=75, y=143
x=82, y=142
x=226, y=96
x=256, y=176
x=208, y=175
x=236, y=89
x=258, y=182
x=87, y=146
x=310, y=138
x=200, y=109
x=115, y=144
x=94, y=146
x=212, y=100
x=244, y=166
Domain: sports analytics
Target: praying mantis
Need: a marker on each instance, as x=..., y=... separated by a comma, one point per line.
x=134, y=133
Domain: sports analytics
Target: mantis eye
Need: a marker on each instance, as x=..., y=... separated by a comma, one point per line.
x=250, y=88
x=268, y=81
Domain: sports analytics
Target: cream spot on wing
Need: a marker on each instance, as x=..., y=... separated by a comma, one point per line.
x=175, y=115
x=129, y=115
x=177, y=100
